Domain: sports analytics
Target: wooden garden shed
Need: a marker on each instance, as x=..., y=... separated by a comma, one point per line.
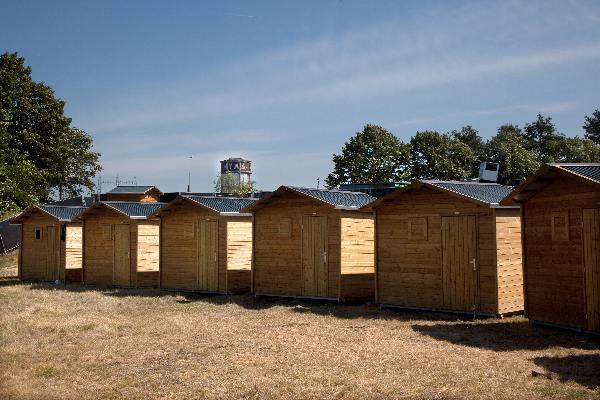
x=51, y=243
x=142, y=194
x=313, y=243
x=561, y=219
x=206, y=244
x=121, y=244
x=449, y=246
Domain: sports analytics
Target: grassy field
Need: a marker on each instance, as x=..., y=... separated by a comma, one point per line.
x=67, y=342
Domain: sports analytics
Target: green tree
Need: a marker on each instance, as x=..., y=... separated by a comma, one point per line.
x=40, y=136
x=373, y=155
x=228, y=184
x=542, y=138
x=470, y=137
x=592, y=127
x=508, y=148
x=442, y=156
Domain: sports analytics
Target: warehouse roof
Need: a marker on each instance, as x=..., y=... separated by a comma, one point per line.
x=132, y=189
x=586, y=173
x=339, y=199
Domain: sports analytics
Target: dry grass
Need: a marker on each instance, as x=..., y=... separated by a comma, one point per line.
x=8, y=264
x=77, y=342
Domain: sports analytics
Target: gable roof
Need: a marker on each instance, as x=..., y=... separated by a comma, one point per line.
x=129, y=209
x=132, y=190
x=588, y=173
x=60, y=213
x=488, y=194
x=337, y=199
x=219, y=205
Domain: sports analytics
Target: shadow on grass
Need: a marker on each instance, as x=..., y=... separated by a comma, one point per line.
x=508, y=335
x=583, y=369
x=247, y=301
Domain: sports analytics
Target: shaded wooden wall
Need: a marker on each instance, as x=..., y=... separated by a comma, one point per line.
x=554, y=251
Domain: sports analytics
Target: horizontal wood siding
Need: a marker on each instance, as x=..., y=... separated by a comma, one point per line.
x=510, y=265
x=148, y=248
x=357, y=256
x=278, y=245
x=73, y=245
x=239, y=243
x=410, y=265
x=554, y=268
x=238, y=281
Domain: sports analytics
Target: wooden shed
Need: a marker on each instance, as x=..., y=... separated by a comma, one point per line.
x=561, y=219
x=141, y=194
x=313, y=243
x=121, y=244
x=206, y=244
x=449, y=246
x=51, y=243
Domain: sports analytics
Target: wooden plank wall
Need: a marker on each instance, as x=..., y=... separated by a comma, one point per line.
x=73, y=245
x=357, y=256
x=277, y=250
x=554, y=268
x=179, y=247
x=510, y=261
x=410, y=266
x=239, y=243
x=148, y=249
x=98, y=246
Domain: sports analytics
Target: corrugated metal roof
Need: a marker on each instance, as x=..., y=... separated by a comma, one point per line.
x=63, y=213
x=131, y=189
x=490, y=193
x=337, y=198
x=133, y=210
x=222, y=204
x=590, y=171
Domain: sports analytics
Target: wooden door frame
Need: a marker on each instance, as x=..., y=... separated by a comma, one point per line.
x=51, y=249
x=585, y=272
x=326, y=237
x=476, y=276
x=114, y=231
x=197, y=228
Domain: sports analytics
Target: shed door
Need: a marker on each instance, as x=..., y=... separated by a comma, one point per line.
x=314, y=256
x=208, y=271
x=591, y=250
x=459, y=274
x=52, y=254
x=122, y=265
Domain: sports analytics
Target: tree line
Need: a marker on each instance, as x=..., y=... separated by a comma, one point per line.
x=375, y=155
x=42, y=155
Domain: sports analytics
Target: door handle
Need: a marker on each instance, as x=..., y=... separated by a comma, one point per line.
x=474, y=263
x=324, y=256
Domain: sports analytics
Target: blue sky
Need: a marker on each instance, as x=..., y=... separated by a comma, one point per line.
x=286, y=83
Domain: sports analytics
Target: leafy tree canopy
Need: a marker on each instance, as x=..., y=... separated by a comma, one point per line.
x=592, y=127
x=42, y=154
x=372, y=155
x=228, y=184
x=437, y=155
